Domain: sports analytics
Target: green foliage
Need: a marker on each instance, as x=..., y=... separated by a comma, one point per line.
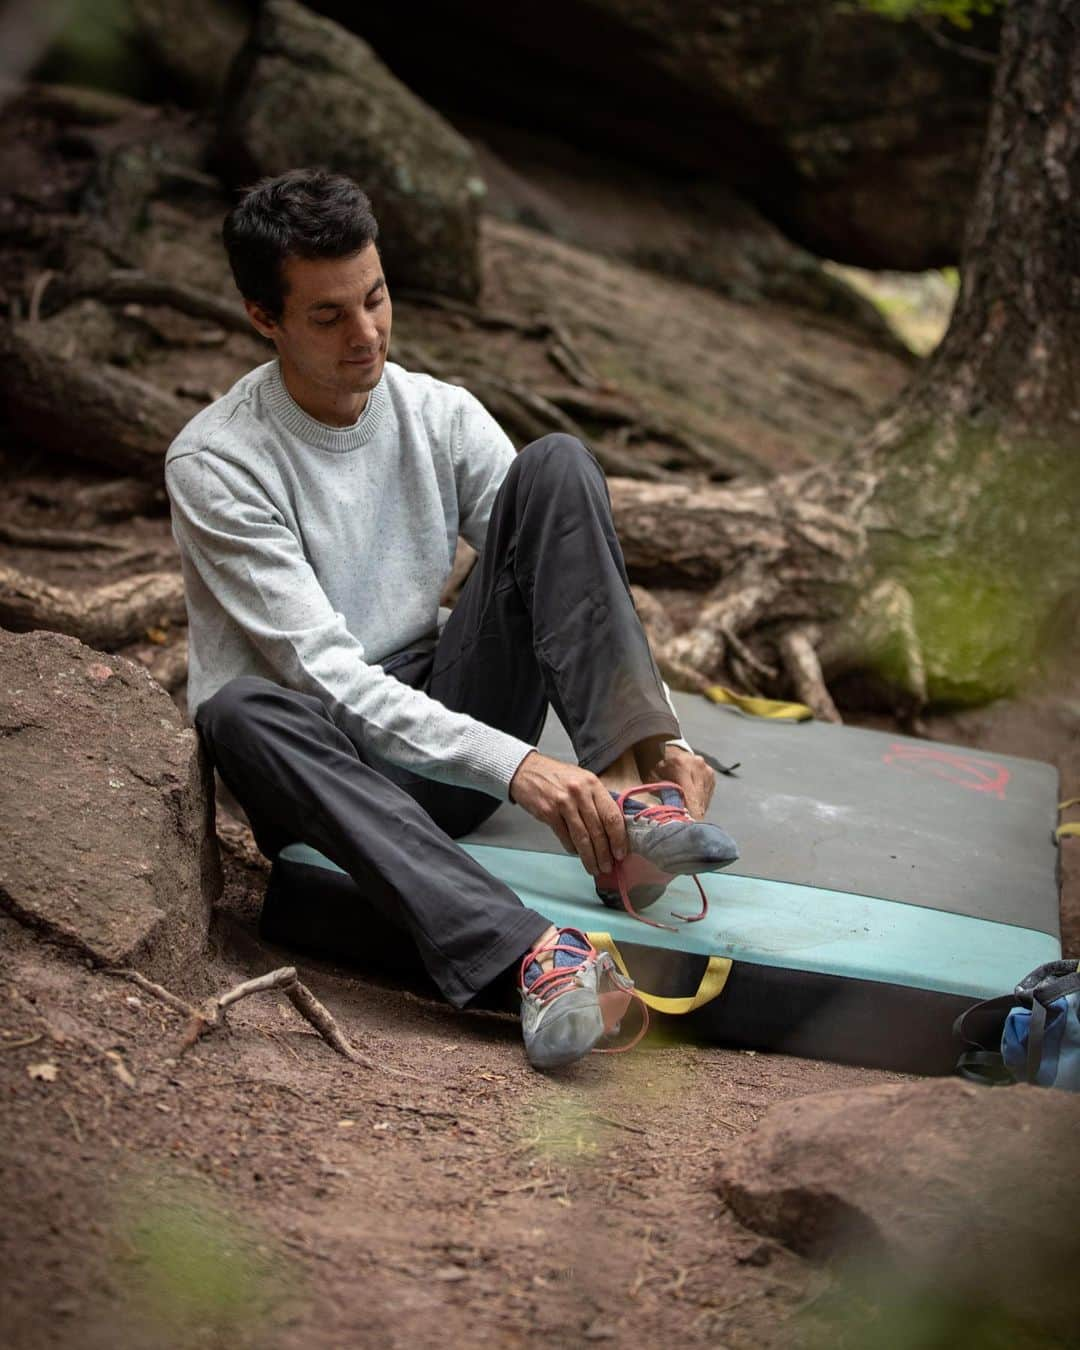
x=958, y=12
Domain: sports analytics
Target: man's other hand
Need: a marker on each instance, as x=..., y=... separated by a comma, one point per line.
x=576, y=805
x=696, y=778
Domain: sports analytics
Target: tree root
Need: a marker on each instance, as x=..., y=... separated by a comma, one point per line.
x=20, y=536
x=798, y=650
x=211, y=1016
x=76, y=407
x=106, y=617
x=133, y=287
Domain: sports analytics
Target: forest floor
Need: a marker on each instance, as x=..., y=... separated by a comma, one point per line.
x=258, y=1190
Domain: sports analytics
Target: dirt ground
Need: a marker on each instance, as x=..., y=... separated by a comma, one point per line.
x=259, y=1190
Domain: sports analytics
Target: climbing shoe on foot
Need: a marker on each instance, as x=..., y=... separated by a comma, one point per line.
x=665, y=841
x=567, y=1008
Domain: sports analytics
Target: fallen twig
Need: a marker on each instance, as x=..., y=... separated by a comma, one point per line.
x=201, y=1021
x=618, y=1124
x=159, y=991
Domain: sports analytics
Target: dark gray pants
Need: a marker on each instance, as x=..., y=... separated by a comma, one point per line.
x=545, y=617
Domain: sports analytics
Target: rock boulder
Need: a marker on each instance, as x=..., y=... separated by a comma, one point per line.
x=108, y=843
x=305, y=92
x=858, y=135
x=949, y=1189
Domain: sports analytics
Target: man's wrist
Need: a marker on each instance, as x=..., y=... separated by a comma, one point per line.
x=679, y=744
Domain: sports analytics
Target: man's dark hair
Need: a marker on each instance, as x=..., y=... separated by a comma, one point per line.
x=305, y=213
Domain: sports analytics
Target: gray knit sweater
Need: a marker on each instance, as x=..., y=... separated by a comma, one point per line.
x=311, y=553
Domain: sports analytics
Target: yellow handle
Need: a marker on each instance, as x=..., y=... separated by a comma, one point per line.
x=712, y=982
x=1072, y=830
x=771, y=708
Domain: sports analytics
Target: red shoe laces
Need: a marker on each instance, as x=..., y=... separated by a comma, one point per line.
x=661, y=813
x=550, y=983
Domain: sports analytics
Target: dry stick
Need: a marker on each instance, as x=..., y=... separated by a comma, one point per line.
x=159, y=991
x=203, y=1020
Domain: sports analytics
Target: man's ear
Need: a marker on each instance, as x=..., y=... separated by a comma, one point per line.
x=260, y=320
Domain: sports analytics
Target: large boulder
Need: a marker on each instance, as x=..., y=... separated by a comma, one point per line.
x=705, y=236
x=304, y=91
x=943, y=1189
x=191, y=51
x=108, y=843
x=858, y=135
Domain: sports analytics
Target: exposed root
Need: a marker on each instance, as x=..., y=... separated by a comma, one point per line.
x=798, y=651
x=880, y=635
x=139, y=288
x=21, y=536
x=37, y=294
x=105, y=617
x=77, y=407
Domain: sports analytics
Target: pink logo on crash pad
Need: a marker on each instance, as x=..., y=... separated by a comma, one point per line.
x=966, y=771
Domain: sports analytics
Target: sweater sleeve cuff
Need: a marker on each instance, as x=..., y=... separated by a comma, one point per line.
x=494, y=757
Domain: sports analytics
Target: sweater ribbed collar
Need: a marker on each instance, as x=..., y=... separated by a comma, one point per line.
x=305, y=428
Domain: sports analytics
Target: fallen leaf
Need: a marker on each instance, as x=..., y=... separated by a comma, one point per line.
x=46, y=1071
x=157, y=636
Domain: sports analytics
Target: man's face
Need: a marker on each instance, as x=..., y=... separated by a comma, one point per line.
x=334, y=330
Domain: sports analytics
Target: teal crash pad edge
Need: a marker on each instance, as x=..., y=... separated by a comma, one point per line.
x=781, y=925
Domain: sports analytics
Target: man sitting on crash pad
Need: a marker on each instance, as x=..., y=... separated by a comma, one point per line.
x=316, y=506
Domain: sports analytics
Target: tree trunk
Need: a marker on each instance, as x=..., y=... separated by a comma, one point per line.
x=943, y=549
x=1013, y=347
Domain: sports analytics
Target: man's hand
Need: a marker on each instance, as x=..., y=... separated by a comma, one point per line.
x=696, y=778
x=576, y=805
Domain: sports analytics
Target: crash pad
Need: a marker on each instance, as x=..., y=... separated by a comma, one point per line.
x=884, y=883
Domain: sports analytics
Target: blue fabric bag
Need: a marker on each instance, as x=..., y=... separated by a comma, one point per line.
x=1029, y=1036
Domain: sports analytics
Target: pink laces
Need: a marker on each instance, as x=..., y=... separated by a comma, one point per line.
x=613, y=1001
x=635, y=870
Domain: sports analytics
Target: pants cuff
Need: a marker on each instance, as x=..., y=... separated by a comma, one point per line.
x=459, y=987
x=640, y=728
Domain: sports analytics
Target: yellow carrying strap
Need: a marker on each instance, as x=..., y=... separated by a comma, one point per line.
x=1072, y=830
x=770, y=708
x=712, y=982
